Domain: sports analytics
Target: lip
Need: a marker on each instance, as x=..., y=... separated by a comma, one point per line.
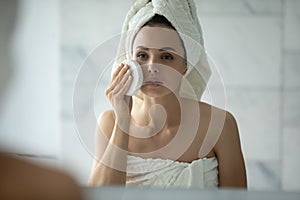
x=152, y=83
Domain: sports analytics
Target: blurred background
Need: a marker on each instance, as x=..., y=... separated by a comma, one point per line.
x=254, y=44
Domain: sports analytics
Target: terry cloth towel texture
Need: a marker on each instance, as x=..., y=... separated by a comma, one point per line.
x=183, y=16
x=157, y=172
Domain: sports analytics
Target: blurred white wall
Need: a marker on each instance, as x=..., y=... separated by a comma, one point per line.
x=29, y=119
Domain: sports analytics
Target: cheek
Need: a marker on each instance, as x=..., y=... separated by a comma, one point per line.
x=171, y=78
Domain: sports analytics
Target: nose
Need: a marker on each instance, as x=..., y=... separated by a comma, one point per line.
x=152, y=68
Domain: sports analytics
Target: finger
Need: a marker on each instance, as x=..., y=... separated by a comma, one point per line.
x=125, y=87
x=115, y=82
x=117, y=70
x=119, y=76
x=122, y=83
x=121, y=70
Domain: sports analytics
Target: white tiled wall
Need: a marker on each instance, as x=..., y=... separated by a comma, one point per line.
x=291, y=69
x=290, y=158
x=256, y=47
x=291, y=96
x=246, y=50
x=258, y=118
x=291, y=25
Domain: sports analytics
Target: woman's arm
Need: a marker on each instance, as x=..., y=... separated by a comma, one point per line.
x=109, y=167
x=232, y=172
x=112, y=132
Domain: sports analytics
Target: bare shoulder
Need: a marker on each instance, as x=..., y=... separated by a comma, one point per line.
x=221, y=123
x=230, y=124
x=105, y=122
x=207, y=110
x=229, y=137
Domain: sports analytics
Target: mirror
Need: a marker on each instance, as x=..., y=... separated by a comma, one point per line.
x=252, y=45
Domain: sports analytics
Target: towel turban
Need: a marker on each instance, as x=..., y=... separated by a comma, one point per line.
x=182, y=15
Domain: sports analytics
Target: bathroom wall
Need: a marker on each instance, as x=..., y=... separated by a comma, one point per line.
x=254, y=44
x=290, y=92
x=30, y=105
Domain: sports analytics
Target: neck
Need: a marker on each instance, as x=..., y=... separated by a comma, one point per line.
x=156, y=111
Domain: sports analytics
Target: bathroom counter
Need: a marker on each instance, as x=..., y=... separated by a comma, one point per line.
x=132, y=193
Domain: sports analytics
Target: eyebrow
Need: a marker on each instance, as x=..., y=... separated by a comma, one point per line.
x=167, y=49
x=162, y=49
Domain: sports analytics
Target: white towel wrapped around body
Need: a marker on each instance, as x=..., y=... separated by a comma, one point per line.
x=156, y=172
x=182, y=15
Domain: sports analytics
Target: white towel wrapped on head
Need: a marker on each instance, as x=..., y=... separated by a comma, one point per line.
x=182, y=15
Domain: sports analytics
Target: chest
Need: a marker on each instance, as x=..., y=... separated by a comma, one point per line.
x=181, y=143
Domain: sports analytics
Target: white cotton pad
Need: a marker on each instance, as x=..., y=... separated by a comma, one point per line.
x=137, y=76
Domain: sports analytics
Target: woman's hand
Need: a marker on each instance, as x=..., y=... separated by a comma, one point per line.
x=120, y=83
x=113, y=134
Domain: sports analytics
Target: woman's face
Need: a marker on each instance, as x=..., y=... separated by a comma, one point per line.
x=160, y=52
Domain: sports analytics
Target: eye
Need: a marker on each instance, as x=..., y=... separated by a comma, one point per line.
x=141, y=56
x=167, y=57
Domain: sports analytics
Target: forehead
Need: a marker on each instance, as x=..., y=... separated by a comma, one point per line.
x=158, y=38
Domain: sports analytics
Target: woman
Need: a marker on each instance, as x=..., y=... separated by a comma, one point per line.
x=162, y=136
